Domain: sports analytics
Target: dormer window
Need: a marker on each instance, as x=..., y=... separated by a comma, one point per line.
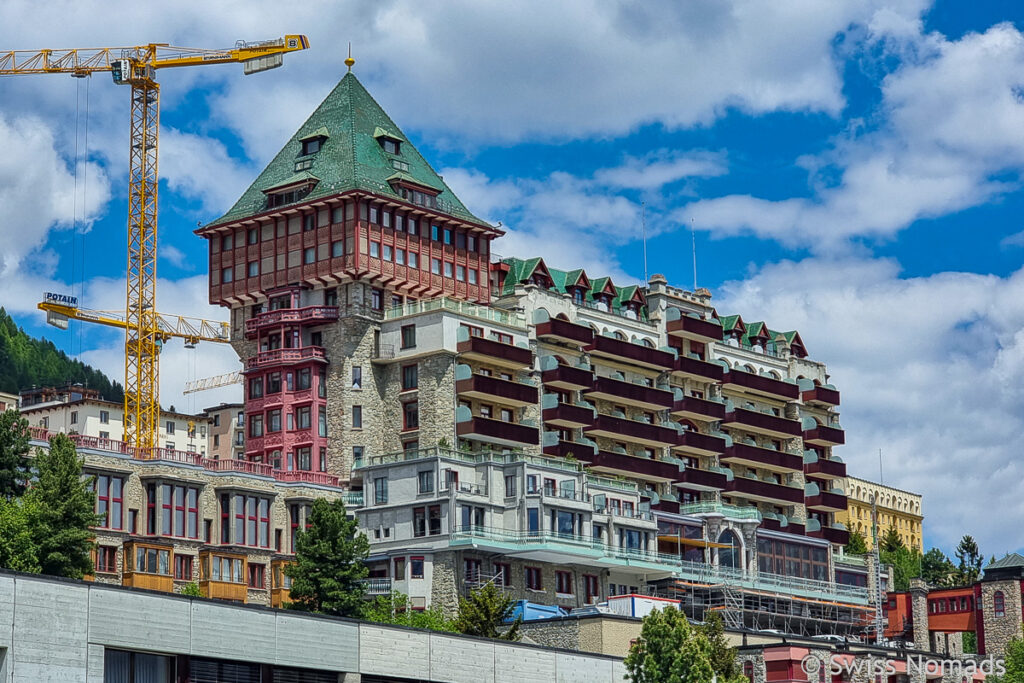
x=312, y=143
x=310, y=146
x=399, y=165
x=390, y=145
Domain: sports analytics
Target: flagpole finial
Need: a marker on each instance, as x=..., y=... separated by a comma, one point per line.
x=349, y=62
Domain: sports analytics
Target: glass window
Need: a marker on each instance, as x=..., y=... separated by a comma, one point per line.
x=434, y=519
x=408, y=336
x=416, y=567
x=380, y=491
x=426, y=481
x=410, y=377
x=357, y=417
x=357, y=377
x=419, y=522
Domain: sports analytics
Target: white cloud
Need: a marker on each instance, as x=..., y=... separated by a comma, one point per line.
x=176, y=257
x=931, y=371
x=200, y=167
x=953, y=137
x=1014, y=240
x=662, y=167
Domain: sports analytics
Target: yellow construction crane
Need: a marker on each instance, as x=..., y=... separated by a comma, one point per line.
x=136, y=66
x=192, y=330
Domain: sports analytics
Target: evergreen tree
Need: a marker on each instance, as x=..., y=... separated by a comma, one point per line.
x=396, y=609
x=329, y=563
x=1013, y=660
x=969, y=561
x=937, y=569
x=891, y=541
x=857, y=545
x=14, y=462
x=906, y=565
x=669, y=649
x=721, y=655
x=18, y=548
x=485, y=612
x=64, y=511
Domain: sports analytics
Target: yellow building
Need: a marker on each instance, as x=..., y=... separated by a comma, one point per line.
x=896, y=508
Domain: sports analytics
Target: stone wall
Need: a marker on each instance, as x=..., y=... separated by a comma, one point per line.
x=563, y=633
x=999, y=630
x=919, y=614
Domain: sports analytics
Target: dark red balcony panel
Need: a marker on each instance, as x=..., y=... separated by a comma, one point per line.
x=285, y=357
x=770, y=524
x=762, y=423
x=697, y=329
x=759, y=384
x=567, y=377
x=627, y=393
x=581, y=451
x=622, y=429
x=498, y=432
x=766, y=491
x=569, y=416
x=695, y=443
x=697, y=369
x=832, y=535
x=666, y=506
x=311, y=315
x=827, y=469
x=766, y=458
x=694, y=408
x=495, y=353
x=628, y=352
x=825, y=436
x=826, y=502
x=634, y=467
x=821, y=396
x=496, y=389
x=701, y=480
x=565, y=332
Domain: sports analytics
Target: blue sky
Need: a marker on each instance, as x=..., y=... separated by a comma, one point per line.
x=851, y=169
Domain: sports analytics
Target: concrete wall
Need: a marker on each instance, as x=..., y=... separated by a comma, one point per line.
x=57, y=630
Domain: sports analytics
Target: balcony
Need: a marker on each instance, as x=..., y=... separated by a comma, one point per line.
x=494, y=352
x=497, y=432
x=497, y=390
x=765, y=491
x=581, y=451
x=832, y=534
x=777, y=524
x=765, y=458
x=627, y=393
x=762, y=423
x=825, y=469
x=700, y=370
x=759, y=384
x=693, y=408
x=823, y=435
x=306, y=477
x=568, y=378
x=224, y=590
x=696, y=329
x=315, y=315
x=701, y=480
x=826, y=501
x=695, y=443
x=377, y=586
x=627, y=352
x=569, y=416
x=821, y=396
x=285, y=357
x=634, y=467
x=621, y=429
x=565, y=332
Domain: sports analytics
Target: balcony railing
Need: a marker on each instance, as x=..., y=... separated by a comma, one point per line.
x=821, y=396
x=827, y=501
x=495, y=352
x=698, y=369
x=488, y=313
x=637, y=354
x=565, y=331
x=567, y=377
x=823, y=435
x=766, y=458
x=696, y=443
x=759, y=384
x=310, y=314
x=634, y=466
x=581, y=451
x=701, y=480
x=831, y=469
x=285, y=356
x=627, y=393
x=306, y=477
x=762, y=423
x=765, y=490
x=621, y=429
x=742, y=513
x=697, y=329
x=832, y=534
x=354, y=499
x=500, y=390
x=471, y=457
x=376, y=586
x=497, y=431
x=698, y=409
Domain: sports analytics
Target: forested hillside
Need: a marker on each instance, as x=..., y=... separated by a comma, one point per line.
x=25, y=361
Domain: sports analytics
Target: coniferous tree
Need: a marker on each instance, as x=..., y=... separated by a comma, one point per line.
x=485, y=613
x=969, y=561
x=18, y=550
x=63, y=515
x=14, y=462
x=937, y=569
x=329, y=563
x=891, y=541
x=669, y=649
x=721, y=655
x=857, y=545
x=397, y=609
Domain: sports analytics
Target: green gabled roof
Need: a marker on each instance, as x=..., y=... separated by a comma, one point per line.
x=295, y=179
x=729, y=322
x=1011, y=560
x=350, y=157
x=519, y=271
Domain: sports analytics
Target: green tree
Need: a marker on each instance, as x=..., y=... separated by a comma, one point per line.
x=192, y=590
x=63, y=504
x=970, y=642
x=329, y=563
x=857, y=545
x=18, y=549
x=485, y=612
x=14, y=462
x=969, y=561
x=669, y=650
x=891, y=541
x=1013, y=660
x=396, y=609
x=937, y=569
x=721, y=655
x=906, y=565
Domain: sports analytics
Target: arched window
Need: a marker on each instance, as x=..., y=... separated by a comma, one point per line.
x=648, y=343
x=748, y=671
x=729, y=557
x=620, y=336
x=999, y=604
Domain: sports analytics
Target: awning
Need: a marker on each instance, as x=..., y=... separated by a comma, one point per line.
x=693, y=542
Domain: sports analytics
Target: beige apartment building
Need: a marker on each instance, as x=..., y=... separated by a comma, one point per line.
x=897, y=509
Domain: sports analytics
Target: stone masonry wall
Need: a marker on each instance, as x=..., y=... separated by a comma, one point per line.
x=1000, y=630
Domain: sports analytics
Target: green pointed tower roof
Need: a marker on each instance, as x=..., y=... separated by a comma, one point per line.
x=349, y=124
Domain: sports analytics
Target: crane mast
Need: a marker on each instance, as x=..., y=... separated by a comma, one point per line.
x=136, y=67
